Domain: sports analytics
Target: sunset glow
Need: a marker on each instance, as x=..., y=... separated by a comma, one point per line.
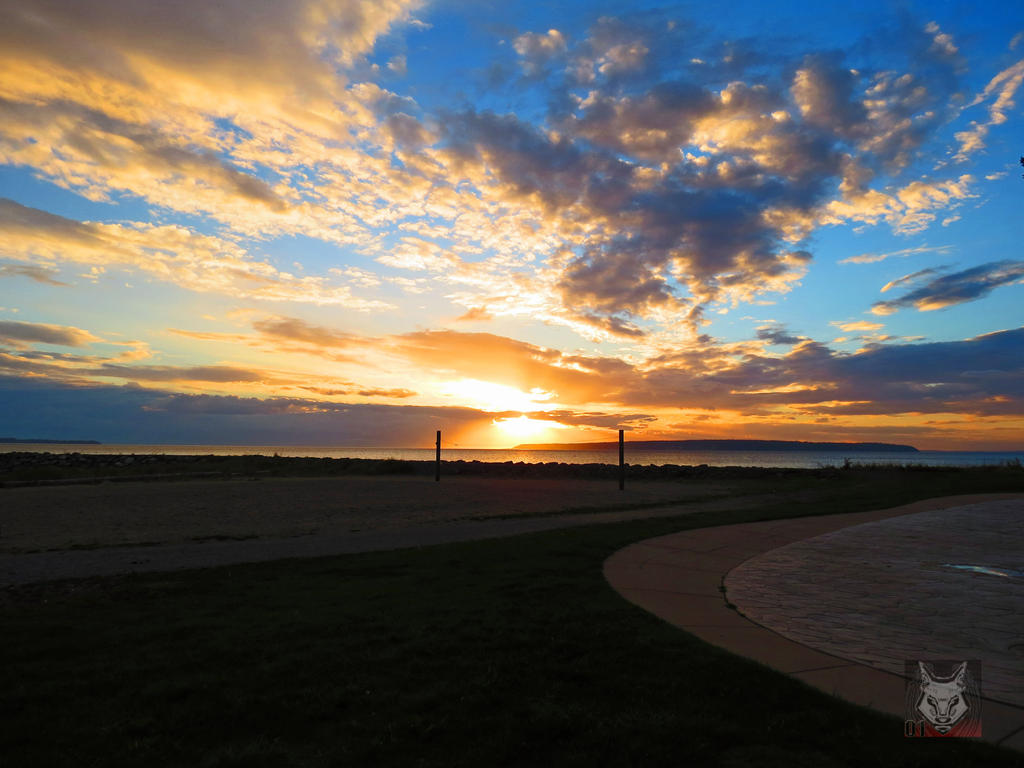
x=355, y=223
x=522, y=428
x=494, y=397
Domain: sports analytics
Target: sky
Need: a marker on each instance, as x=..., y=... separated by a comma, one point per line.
x=354, y=222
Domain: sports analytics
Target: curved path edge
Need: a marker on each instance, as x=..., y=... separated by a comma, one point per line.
x=679, y=578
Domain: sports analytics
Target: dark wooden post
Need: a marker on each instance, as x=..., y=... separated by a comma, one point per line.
x=622, y=459
x=437, y=460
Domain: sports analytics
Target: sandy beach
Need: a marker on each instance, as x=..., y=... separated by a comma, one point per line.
x=90, y=516
x=56, y=532
x=73, y=531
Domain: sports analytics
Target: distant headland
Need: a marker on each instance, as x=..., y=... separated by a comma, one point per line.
x=48, y=442
x=721, y=445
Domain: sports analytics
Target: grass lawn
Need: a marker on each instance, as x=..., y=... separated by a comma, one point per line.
x=505, y=652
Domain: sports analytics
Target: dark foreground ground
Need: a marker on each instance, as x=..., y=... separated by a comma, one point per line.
x=504, y=652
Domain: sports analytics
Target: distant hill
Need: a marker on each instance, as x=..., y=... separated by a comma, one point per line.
x=721, y=445
x=48, y=442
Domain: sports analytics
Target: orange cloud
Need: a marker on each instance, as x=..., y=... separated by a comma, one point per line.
x=857, y=325
x=19, y=333
x=172, y=253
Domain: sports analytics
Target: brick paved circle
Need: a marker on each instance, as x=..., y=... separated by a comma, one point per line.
x=883, y=592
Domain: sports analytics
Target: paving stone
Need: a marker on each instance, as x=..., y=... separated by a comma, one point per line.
x=843, y=601
x=895, y=590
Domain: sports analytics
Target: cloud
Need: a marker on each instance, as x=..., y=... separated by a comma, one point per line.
x=216, y=113
x=645, y=232
x=133, y=415
x=290, y=335
x=23, y=357
x=880, y=379
x=957, y=288
x=656, y=186
x=277, y=335
x=905, y=108
x=857, y=325
x=1001, y=89
x=872, y=258
x=825, y=93
x=441, y=356
x=737, y=383
x=168, y=252
x=437, y=356
x=294, y=329
x=912, y=277
x=777, y=335
x=474, y=314
x=501, y=360
x=399, y=393
x=537, y=50
x=119, y=157
x=17, y=333
x=398, y=65
x=651, y=125
x=909, y=209
x=672, y=193
x=220, y=374
x=627, y=421
x=32, y=271
x=616, y=49
x=202, y=46
x=981, y=375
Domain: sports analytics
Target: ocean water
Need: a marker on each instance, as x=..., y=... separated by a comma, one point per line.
x=798, y=459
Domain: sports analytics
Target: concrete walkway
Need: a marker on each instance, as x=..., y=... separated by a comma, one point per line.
x=887, y=591
x=680, y=578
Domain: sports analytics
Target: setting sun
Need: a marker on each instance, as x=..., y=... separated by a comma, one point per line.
x=496, y=397
x=523, y=427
